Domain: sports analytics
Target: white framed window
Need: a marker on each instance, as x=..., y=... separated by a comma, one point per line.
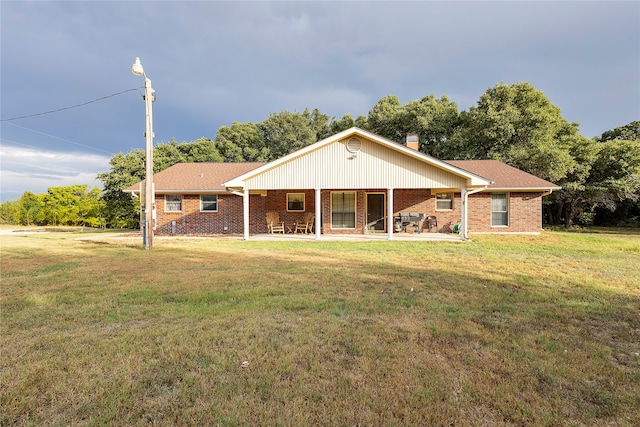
x=173, y=202
x=499, y=209
x=295, y=202
x=343, y=209
x=209, y=202
x=444, y=201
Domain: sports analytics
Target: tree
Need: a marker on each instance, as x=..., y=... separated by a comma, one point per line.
x=615, y=176
x=318, y=122
x=242, y=142
x=126, y=169
x=433, y=120
x=605, y=177
x=200, y=150
x=9, y=212
x=518, y=125
x=346, y=122
x=384, y=118
x=575, y=194
x=630, y=132
x=166, y=154
x=73, y=205
x=30, y=209
x=286, y=132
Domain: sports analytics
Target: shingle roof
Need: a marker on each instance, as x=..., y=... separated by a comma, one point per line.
x=503, y=175
x=205, y=177
x=194, y=177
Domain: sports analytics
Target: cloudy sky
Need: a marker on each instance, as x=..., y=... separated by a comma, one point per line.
x=212, y=63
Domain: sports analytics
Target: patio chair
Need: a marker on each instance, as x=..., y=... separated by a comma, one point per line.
x=274, y=225
x=431, y=221
x=306, y=225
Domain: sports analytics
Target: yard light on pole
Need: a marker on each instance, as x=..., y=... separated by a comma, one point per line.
x=149, y=200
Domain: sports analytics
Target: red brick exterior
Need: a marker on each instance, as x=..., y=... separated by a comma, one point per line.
x=525, y=212
x=226, y=220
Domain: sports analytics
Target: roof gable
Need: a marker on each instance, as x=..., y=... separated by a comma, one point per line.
x=314, y=166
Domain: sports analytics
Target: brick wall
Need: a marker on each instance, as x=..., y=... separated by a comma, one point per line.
x=228, y=219
x=525, y=212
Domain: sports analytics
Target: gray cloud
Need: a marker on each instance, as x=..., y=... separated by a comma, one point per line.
x=212, y=63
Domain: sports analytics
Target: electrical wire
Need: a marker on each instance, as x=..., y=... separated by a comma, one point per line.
x=61, y=139
x=68, y=108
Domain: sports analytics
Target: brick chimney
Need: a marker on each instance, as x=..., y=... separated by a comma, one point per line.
x=412, y=141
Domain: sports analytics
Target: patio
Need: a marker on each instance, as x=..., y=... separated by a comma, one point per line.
x=435, y=237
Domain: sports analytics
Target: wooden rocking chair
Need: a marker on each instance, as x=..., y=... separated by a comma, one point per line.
x=305, y=226
x=274, y=225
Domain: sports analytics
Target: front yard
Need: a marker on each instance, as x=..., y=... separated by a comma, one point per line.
x=507, y=330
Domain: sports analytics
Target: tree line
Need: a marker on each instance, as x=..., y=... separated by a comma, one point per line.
x=516, y=124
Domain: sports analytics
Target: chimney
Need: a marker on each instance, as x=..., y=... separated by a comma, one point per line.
x=412, y=141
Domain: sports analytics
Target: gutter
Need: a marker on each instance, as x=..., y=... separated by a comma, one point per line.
x=235, y=192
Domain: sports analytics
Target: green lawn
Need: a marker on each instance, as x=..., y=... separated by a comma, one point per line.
x=506, y=330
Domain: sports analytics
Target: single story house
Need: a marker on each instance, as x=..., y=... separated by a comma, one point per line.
x=353, y=182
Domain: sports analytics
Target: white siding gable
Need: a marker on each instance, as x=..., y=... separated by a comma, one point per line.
x=374, y=166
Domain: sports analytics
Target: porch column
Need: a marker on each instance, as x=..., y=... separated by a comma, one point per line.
x=463, y=222
x=245, y=213
x=390, y=213
x=318, y=225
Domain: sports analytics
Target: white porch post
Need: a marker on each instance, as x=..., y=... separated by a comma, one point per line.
x=318, y=225
x=245, y=213
x=463, y=225
x=390, y=213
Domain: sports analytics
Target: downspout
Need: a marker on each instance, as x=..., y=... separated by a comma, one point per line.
x=464, y=233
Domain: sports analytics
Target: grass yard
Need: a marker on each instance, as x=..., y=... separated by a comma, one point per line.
x=507, y=330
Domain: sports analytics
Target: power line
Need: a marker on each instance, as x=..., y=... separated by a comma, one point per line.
x=61, y=139
x=68, y=108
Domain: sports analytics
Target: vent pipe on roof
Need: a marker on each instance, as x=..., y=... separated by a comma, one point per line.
x=412, y=142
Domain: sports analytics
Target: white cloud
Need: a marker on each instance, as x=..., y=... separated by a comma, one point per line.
x=26, y=169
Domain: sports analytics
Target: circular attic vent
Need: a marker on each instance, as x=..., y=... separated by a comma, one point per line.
x=354, y=145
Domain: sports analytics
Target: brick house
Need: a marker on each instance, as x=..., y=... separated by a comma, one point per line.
x=354, y=182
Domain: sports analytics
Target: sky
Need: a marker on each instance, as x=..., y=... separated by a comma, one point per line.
x=214, y=63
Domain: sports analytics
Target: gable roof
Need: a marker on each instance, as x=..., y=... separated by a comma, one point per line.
x=472, y=179
x=504, y=177
x=195, y=177
x=218, y=177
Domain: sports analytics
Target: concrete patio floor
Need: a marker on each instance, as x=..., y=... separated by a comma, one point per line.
x=441, y=237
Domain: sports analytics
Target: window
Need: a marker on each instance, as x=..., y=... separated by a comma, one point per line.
x=209, y=202
x=444, y=201
x=295, y=202
x=172, y=203
x=343, y=210
x=499, y=209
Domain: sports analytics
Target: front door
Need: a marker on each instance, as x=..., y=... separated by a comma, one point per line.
x=375, y=212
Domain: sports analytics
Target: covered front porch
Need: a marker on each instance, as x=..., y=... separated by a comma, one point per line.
x=381, y=213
